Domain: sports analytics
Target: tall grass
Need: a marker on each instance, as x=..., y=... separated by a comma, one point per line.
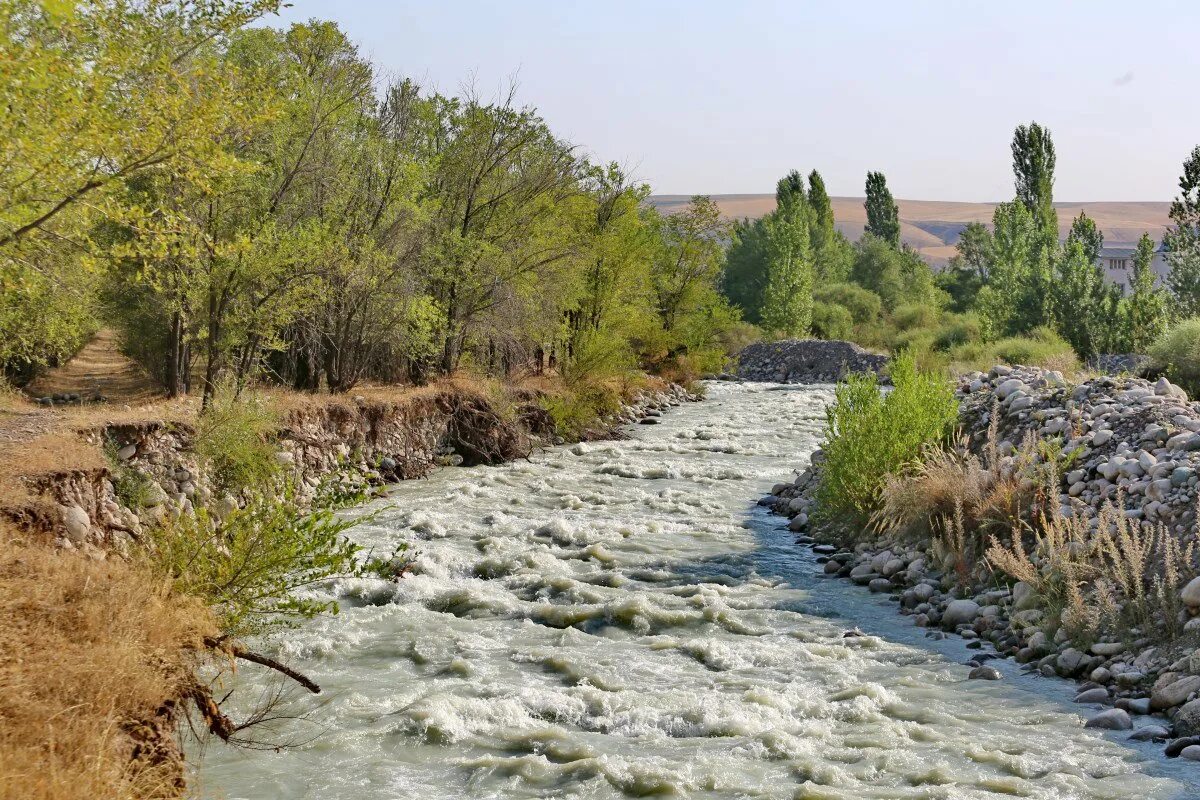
x=871, y=434
x=1177, y=353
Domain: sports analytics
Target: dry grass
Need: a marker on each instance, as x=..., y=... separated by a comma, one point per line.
x=89, y=651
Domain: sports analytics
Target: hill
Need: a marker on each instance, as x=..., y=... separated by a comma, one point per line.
x=933, y=226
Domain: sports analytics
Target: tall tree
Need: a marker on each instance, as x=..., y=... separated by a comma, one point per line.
x=1085, y=304
x=1033, y=167
x=789, y=188
x=832, y=253
x=977, y=247
x=883, y=215
x=1146, y=306
x=1085, y=231
x=787, y=301
x=745, y=276
x=1182, y=240
x=689, y=266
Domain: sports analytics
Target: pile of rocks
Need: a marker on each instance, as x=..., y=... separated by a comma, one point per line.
x=806, y=361
x=1136, y=445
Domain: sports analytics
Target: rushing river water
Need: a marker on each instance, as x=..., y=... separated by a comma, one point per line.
x=620, y=620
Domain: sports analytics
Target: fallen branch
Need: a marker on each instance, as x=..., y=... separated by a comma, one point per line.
x=238, y=650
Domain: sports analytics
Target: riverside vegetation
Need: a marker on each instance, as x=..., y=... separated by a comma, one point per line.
x=276, y=230
x=1054, y=520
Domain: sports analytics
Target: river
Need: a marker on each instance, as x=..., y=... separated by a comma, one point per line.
x=619, y=619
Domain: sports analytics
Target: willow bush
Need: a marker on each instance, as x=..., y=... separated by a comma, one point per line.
x=871, y=433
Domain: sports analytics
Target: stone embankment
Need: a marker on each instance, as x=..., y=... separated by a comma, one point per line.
x=1130, y=445
x=356, y=440
x=806, y=361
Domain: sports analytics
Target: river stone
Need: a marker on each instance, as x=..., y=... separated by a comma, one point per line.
x=127, y=452
x=1175, y=693
x=960, y=612
x=1177, y=745
x=1191, y=593
x=1010, y=386
x=1107, y=648
x=984, y=673
x=1113, y=719
x=1187, y=719
x=1150, y=733
x=1191, y=752
x=1092, y=696
x=1101, y=437
x=77, y=523
x=1069, y=661
x=880, y=585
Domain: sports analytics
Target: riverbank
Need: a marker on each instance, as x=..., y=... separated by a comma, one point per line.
x=99, y=655
x=1099, y=479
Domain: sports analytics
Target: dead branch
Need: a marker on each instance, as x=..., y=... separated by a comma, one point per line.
x=238, y=650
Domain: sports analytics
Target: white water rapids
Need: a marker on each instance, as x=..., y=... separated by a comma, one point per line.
x=620, y=620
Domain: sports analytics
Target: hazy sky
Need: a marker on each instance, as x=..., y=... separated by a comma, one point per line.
x=723, y=97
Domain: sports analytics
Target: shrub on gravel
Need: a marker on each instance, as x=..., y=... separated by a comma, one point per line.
x=1177, y=353
x=871, y=434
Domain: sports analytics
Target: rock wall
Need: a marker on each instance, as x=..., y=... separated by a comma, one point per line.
x=375, y=441
x=806, y=361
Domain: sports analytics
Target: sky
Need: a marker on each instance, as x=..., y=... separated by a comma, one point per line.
x=708, y=97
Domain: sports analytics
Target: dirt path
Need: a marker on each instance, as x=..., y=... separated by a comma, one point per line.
x=98, y=369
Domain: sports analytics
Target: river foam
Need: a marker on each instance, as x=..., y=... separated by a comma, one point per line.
x=619, y=620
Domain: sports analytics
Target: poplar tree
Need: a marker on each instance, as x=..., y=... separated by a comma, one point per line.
x=1183, y=240
x=787, y=301
x=1085, y=231
x=1033, y=166
x=1146, y=307
x=883, y=215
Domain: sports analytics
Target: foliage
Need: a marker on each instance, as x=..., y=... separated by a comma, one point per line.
x=883, y=215
x=870, y=434
x=1145, y=310
x=250, y=564
x=1033, y=167
x=233, y=442
x=864, y=305
x=1177, y=353
x=133, y=488
x=897, y=276
x=1182, y=240
x=832, y=321
x=744, y=279
x=787, y=301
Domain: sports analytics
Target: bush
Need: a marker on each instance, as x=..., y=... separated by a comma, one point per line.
x=1177, y=354
x=832, y=322
x=248, y=565
x=1042, y=348
x=233, y=442
x=870, y=435
x=864, y=305
x=958, y=329
x=915, y=315
x=133, y=488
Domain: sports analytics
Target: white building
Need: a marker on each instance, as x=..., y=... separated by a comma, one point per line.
x=1118, y=264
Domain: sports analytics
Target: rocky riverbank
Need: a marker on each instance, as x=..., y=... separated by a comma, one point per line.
x=355, y=438
x=1127, y=446
x=806, y=361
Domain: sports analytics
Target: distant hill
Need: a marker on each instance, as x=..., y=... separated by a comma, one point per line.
x=933, y=226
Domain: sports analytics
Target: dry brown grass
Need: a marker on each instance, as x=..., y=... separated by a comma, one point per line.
x=89, y=651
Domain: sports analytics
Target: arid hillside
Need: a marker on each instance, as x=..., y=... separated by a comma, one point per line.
x=933, y=226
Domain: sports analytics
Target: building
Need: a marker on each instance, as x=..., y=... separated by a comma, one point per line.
x=1117, y=263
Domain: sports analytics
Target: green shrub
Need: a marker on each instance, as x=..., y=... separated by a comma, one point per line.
x=1177, y=353
x=577, y=410
x=831, y=321
x=915, y=315
x=1043, y=347
x=870, y=434
x=864, y=305
x=249, y=565
x=958, y=329
x=133, y=488
x=233, y=442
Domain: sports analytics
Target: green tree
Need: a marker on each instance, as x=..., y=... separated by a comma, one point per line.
x=883, y=215
x=1182, y=240
x=1146, y=307
x=1085, y=231
x=745, y=275
x=898, y=276
x=787, y=301
x=1086, y=304
x=1033, y=167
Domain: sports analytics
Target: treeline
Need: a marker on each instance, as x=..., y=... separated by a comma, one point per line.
x=1014, y=291
x=257, y=204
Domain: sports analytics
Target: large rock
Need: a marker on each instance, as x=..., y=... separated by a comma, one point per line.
x=1174, y=693
x=960, y=612
x=76, y=522
x=1114, y=719
x=1187, y=719
x=806, y=361
x=1191, y=593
